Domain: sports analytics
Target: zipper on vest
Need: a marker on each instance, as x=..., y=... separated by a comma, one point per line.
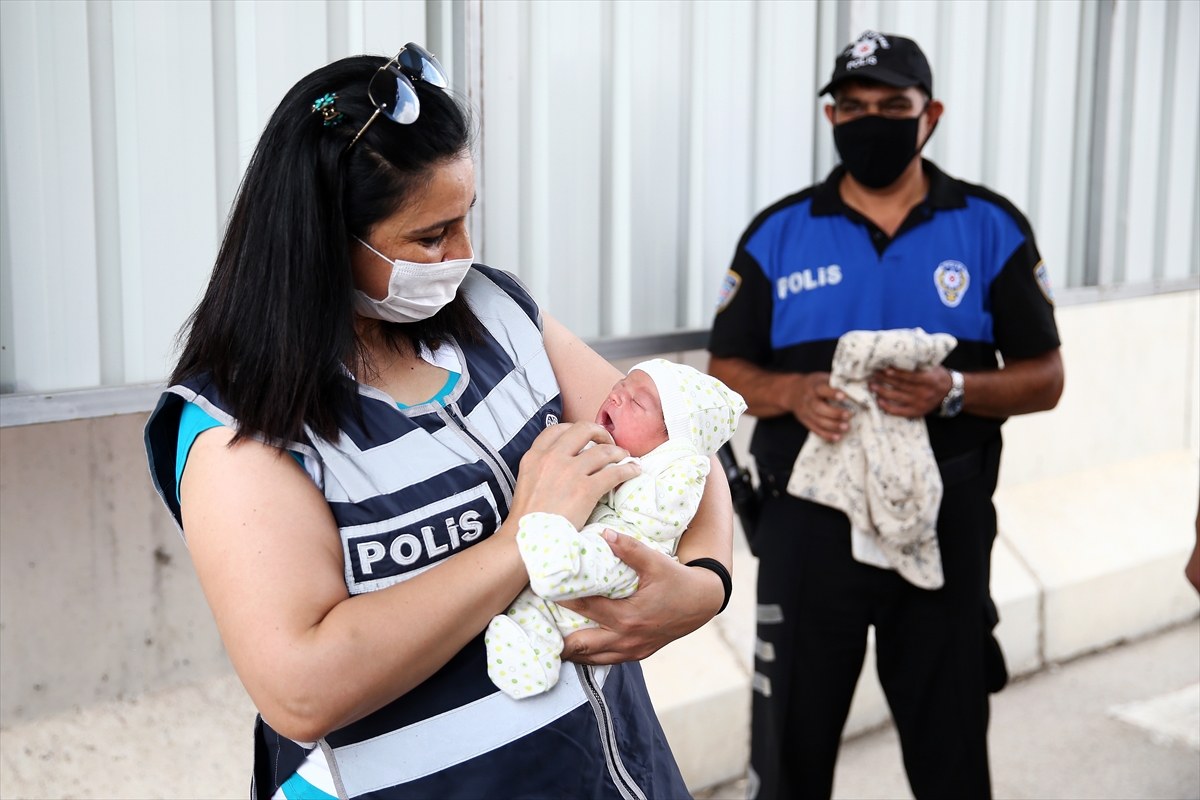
x=483, y=449
x=608, y=736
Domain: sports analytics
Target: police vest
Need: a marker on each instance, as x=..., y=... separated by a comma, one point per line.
x=408, y=488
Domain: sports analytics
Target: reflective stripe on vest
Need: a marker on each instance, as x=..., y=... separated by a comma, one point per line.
x=405, y=755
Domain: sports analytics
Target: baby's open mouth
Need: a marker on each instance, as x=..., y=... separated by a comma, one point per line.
x=605, y=421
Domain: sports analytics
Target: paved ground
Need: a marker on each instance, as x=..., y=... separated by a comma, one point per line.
x=193, y=741
x=1124, y=723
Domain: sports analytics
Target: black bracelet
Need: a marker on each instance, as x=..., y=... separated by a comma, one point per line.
x=722, y=573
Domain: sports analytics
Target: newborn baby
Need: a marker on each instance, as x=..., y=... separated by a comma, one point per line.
x=671, y=418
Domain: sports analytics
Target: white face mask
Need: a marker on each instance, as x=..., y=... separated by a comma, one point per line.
x=415, y=291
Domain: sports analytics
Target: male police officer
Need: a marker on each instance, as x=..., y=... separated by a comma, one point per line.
x=887, y=241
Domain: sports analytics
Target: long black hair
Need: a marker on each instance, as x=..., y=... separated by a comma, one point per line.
x=276, y=330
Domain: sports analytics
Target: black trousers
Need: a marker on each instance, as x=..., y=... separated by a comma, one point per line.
x=936, y=656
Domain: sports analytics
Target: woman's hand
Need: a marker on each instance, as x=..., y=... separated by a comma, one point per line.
x=671, y=601
x=559, y=477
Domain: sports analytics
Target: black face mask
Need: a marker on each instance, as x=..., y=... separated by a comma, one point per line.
x=876, y=150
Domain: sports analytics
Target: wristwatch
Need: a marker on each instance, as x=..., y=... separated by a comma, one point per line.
x=953, y=401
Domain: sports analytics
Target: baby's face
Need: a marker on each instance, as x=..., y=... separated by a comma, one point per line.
x=633, y=414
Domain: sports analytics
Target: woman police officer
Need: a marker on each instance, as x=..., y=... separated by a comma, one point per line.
x=364, y=415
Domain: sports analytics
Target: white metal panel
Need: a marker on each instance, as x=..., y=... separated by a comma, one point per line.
x=1145, y=141
x=500, y=139
x=470, y=77
x=1117, y=123
x=8, y=370
x=290, y=42
x=1088, y=108
x=864, y=15
x=1052, y=165
x=917, y=20
x=226, y=101
x=693, y=299
x=657, y=157
x=125, y=73
x=567, y=160
x=939, y=46
x=960, y=83
x=166, y=166
x=616, y=162
x=728, y=117
x=1009, y=107
x=534, y=213
x=786, y=81
x=48, y=163
x=108, y=227
x=541, y=152
x=830, y=43
x=245, y=46
x=387, y=25
x=1179, y=256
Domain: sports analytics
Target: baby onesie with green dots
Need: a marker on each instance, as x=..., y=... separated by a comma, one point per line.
x=524, y=645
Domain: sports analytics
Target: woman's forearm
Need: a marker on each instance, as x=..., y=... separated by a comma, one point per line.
x=710, y=533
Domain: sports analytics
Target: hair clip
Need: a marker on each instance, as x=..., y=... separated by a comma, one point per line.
x=324, y=105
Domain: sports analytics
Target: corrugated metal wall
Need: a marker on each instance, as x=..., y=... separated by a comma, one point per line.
x=623, y=147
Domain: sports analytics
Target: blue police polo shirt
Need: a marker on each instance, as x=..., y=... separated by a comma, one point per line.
x=810, y=268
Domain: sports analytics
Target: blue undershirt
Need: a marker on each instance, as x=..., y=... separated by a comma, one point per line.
x=195, y=420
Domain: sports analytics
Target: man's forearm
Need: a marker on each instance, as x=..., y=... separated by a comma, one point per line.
x=1022, y=387
x=766, y=393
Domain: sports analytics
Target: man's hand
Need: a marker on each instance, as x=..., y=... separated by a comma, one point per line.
x=771, y=394
x=811, y=399
x=910, y=394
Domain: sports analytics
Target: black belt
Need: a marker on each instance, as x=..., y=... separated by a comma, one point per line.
x=963, y=468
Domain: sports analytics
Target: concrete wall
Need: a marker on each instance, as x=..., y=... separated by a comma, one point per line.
x=98, y=600
x=1133, y=372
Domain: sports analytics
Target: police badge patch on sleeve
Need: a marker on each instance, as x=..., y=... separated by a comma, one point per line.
x=1042, y=274
x=729, y=288
x=952, y=280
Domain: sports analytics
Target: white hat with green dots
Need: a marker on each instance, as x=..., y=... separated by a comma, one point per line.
x=697, y=407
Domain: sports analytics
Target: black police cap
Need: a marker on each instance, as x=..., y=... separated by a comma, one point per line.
x=888, y=59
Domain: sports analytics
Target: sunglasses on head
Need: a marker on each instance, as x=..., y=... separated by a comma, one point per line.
x=391, y=88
